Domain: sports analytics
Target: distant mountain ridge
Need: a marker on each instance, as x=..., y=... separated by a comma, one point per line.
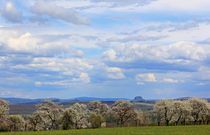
x=99, y=99
x=57, y=100
x=13, y=100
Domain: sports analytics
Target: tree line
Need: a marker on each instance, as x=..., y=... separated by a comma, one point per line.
x=52, y=116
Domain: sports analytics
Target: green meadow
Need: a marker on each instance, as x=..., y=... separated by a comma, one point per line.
x=153, y=130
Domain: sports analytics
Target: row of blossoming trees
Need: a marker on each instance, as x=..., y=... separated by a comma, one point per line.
x=52, y=116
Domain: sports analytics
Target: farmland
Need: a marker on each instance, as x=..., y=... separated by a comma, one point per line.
x=171, y=130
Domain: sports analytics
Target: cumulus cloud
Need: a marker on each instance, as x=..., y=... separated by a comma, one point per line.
x=52, y=10
x=24, y=43
x=148, y=77
x=11, y=14
x=180, y=55
x=51, y=45
x=75, y=65
x=68, y=71
x=83, y=77
x=115, y=73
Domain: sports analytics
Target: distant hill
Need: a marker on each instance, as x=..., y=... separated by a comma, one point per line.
x=81, y=99
x=38, y=101
x=99, y=99
x=22, y=100
x=138, y=99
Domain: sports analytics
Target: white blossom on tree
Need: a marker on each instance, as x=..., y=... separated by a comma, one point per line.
x=164, y=111
x=4, y=108
x=181, y=110
x=16, y=123
x=50, y=113
x=200, y=110
x=122, y=111
x=98, y=108
x=75, y=116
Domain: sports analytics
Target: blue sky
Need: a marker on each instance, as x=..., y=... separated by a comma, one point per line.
x=110, y=48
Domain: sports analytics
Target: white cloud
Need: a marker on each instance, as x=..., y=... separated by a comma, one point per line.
x=82, y=78
x=126, y=2
x=11, y=14
x=38, y=45
x=59, y=83
x=140, y=83
x=24, y=43
x=110, y=55
x=57, y=12
x=65, y=65
x=187, y=6
x=203, y=73
x=38, y=83
x=141, y=78
x=115, y=73
x=201, y=83
x=170, y=80
x=144, y=6
x=69, y=71
x=182, y=53
x=161, y=6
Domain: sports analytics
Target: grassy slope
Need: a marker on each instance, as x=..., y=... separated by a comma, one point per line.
x=175, y=130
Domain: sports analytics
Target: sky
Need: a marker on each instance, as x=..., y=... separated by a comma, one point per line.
x=104, y=48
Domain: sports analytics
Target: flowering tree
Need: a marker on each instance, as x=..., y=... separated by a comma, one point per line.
x=200, y=110
x=75, y=116
x=4, y=108
x=50, y=113
x=164, y=111
x=123, y=111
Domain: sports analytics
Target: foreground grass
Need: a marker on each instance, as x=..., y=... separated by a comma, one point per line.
x=175, y=130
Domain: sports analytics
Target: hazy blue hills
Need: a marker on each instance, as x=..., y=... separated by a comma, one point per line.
x=80, y=99
x=99, y=99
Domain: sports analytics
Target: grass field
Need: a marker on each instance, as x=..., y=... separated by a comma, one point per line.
x=175, y=130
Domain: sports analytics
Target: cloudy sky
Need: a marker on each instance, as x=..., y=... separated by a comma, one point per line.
x=104, y=48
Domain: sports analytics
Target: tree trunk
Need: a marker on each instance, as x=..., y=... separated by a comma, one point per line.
x=167, y=122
